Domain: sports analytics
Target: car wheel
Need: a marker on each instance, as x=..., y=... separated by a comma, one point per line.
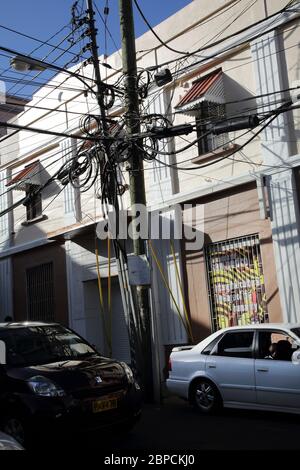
x=15, y=427
x=205, y=397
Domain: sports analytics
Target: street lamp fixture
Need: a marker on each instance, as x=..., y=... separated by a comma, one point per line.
x=25, y=64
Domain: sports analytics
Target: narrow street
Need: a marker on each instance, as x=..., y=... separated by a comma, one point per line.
x=174, y=425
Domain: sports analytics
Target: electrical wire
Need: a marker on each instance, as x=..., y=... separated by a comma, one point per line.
x=43, y=43
x=154, y=33
x=236, y=33
x=205, y=165
x=107, y=29
x=37, y=48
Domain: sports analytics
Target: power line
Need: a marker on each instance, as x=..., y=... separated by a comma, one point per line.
x=226, y=156
x=216, y=54
x=37, y=48
x=43, y=43
x=216, y=43
x=45, y=57
x=154, y=33
x=201, y=23
x=106, y=28
x=2, y=147
x=44, y=131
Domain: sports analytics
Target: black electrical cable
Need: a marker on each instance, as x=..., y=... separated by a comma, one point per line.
x=32, y=83
x=44, y=131
x=284, y=108
x=12, y=106
x=226, y=156
x=106, y=28
x=154, y=33
x=43, y=43
x=201, y=49
x=25, y=112
x=202, y=23
x=38, y=47
x=46, y=64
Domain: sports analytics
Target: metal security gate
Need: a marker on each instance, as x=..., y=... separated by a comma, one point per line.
x=236, y=282
x=40, y=293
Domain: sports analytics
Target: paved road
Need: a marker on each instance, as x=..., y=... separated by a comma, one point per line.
x=175, y=425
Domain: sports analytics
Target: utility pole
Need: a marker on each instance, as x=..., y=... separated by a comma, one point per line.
x=100, y=86
x=144, y=359
x=136, y=183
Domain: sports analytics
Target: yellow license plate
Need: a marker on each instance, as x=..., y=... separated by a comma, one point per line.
x=104, y=405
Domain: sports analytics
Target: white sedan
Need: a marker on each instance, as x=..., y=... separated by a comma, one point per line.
x=254, y=367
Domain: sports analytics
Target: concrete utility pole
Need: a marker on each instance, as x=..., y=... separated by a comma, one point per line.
x=136, y=183
x=100, y=87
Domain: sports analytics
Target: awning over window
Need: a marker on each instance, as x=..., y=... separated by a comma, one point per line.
x=208, y=88
x=30, y=175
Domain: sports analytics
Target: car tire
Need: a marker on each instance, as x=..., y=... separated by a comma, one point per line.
x=16, y=427
x=205, y=397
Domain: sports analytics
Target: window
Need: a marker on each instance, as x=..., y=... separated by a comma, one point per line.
x=275, y=345
x=34, y=204
x=236, y=282
x=296, y=331
x=207, y=112
x=40, y=293
x=237, y=344
x=42, y=345
x=210, y=347
x=205, y=102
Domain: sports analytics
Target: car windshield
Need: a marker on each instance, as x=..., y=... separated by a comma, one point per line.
x=36, y=345
x=296, y=331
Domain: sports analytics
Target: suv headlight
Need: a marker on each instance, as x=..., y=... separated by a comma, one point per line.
x=44, y=387
x=128, y=372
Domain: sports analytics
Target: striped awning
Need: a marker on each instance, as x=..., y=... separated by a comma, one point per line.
x=208, y=88
x=30, y=175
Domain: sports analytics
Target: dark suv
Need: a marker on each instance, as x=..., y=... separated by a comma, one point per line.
x=51, y=379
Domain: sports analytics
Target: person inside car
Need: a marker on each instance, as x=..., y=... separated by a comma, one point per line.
x=272, y=351
x=283, y=351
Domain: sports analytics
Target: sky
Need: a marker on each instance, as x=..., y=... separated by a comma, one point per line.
x=43, y=18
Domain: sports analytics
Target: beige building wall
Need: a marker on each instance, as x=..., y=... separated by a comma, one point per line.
x=230, y=214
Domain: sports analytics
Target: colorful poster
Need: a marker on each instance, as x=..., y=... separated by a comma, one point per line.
x=236, y=282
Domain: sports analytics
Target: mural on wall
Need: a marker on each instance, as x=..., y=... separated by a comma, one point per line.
x=236, y=282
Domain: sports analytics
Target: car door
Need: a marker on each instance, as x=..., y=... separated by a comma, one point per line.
x=231, y=366
x=277, y=379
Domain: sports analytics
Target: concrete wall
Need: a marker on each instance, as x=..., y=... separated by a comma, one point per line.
x=53, y=253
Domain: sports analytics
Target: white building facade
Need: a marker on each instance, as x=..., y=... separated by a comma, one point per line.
x=248, y=191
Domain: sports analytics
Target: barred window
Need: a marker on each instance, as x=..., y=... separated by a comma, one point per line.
x=40, y=293
x=208, y=111
x=236, y=282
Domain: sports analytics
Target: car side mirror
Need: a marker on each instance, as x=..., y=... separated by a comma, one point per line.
x=295, y=345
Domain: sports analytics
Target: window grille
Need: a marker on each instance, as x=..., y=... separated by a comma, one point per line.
x=210, y=111
x=40, y=293
x=236, y=282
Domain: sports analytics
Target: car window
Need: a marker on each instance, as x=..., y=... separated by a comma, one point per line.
x=296, y=331
x=209, y=348
x=275, y=345
x=236, y=344
x=42, y=344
